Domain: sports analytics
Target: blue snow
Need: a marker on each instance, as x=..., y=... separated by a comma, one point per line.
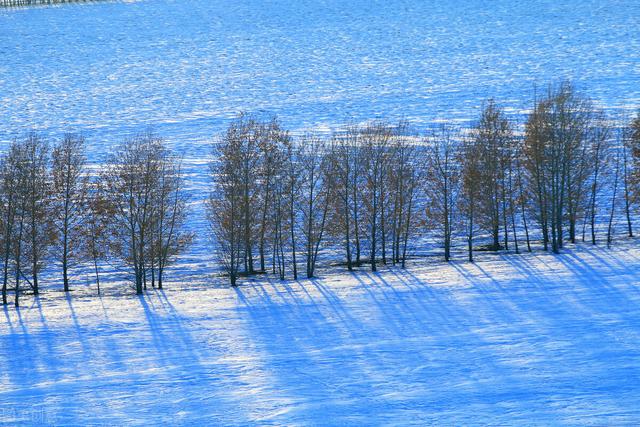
x=186, y=67
x=528, y=340
x=532, y=339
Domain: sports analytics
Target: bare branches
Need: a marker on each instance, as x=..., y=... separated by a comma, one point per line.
x=68, y=199
x=142, y=187
x=442, y=182
x=279, y=201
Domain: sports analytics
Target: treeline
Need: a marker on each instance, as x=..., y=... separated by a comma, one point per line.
x=55, y=209
x=276, y=203
x=366, y=194
x=369, y=190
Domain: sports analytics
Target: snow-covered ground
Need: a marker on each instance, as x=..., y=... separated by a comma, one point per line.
x=186, y=67
x=535, y=339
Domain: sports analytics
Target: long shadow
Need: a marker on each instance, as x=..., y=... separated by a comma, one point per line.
x=420, y=292
x=397, y=313
x=409, y=360
x=80, y=333
x=27, y=367
x=193, y=374
x=5, y=310
x=305, y=349
x=547, y=298
x=492, y=294
x=174, y=352
x=596, y=282
x=336, y=305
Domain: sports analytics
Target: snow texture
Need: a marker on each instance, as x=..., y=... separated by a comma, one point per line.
x=535, y=339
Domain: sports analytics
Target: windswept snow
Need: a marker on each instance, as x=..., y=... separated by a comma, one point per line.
x=185, y=67
x=535, y=339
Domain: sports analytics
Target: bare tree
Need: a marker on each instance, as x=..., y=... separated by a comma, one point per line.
x=405, y=176
x=169, y=237
x=38, y=226
x=97, y=224
x=22, y=172
x=556, y=141
x=376, y=139
x=346, y=163
x=494, y=147
x=471, y=187
x=627, y=178
x=68, y=199
x=12, y=206
x=226, y=202
x=24, y=204
x=246, y=135
x=442, y=183
x=522, y=197
x=614, y=192
x=143, y=186
x=292, y=181
x=272, y=142
x=598, y=150
x=315, y=193
x=633, y=146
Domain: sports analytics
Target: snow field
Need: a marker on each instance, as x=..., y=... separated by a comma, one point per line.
x=531, y=339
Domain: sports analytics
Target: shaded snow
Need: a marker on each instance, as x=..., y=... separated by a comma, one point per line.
x=537, y=339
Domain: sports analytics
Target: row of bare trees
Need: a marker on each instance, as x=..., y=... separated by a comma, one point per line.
x=368, y=191
x=281, y=202
x=564, y=170
x=55, y=208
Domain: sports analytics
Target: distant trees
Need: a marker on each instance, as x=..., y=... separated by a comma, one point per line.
x=277, y=200
x=270, y=194
x=245, y=171
x=358, y=189
x=52, y=209
x=374, y=183
x=491, y=181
